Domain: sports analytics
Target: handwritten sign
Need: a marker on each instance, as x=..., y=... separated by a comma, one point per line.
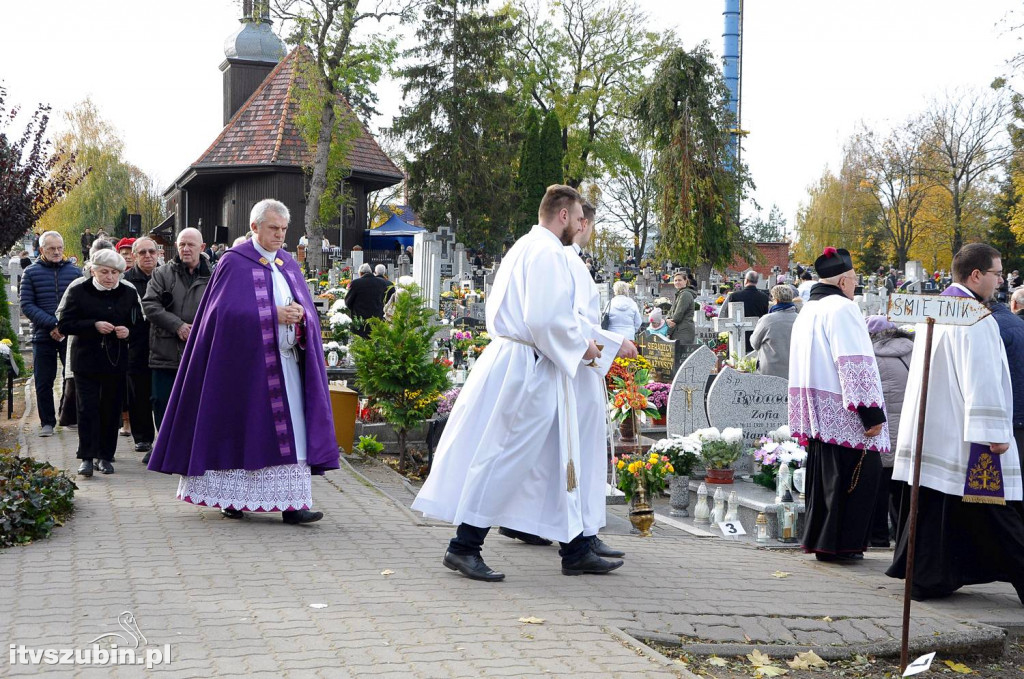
x=944, y=309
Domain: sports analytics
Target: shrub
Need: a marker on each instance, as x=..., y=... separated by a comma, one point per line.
x=369, y=446
x=34, y=497
x=396, y=368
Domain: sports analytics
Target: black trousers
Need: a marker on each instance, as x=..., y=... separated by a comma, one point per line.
x=140, y=406
x=886, y=508
x=163, y=382
x=99, y=413
x=469, y=540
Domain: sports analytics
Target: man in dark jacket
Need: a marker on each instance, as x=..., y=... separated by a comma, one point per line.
x=86, y=242
x=755, y=302
x=171, y=303
x=1011, y=330
x=42, y=287
x=365, y=299
x=1017, y=303
x=140, y=383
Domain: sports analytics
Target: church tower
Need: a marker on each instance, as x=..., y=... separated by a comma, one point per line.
x=251, y=53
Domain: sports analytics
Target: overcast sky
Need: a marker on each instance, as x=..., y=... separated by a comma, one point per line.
x=811, y=70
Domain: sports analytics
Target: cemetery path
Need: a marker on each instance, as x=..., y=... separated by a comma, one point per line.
x=236, y=598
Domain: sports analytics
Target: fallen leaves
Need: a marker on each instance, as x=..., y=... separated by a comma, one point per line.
x=530, y=620
x=386, y=572
x=806, y=661
x=781, y=574
x=715, y=661
x=763, y=666
x=957, y=667
x=759, y=659
x=826, y=619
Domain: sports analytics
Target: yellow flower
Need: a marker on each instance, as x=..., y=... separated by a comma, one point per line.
x=621, y=464
x=670, y=469
x=5, y=341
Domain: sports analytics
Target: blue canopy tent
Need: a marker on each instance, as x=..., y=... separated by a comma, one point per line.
x=387, y=234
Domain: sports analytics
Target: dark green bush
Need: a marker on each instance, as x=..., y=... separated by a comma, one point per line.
x=34, y=497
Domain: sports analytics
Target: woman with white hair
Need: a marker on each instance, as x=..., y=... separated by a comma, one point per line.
x=100, y=313
x=623, y=313
x=773, y=332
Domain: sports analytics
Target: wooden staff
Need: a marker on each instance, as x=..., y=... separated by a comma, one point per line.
x=915, y=492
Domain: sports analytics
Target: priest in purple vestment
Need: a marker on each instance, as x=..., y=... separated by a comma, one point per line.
x=249, y=418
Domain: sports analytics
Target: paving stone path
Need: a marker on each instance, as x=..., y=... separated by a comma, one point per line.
x=235, y=598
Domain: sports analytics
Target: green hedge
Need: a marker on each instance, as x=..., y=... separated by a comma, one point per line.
x=34, y=497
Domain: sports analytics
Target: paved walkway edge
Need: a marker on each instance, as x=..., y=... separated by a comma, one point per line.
x=635, y=643
x=983, y=640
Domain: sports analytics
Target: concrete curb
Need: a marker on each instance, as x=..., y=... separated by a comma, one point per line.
x=30, y=403
x=417, y=521
x=983, y=640
x=654, y=656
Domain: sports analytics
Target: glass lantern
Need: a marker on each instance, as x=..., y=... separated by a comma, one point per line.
x=761, y=530
x=787, y=518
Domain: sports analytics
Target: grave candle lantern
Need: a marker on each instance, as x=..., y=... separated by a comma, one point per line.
x=787, y=518
x=701, y=513
x=761, y=530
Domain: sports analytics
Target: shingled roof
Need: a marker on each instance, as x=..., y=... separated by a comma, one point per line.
x=263, y=130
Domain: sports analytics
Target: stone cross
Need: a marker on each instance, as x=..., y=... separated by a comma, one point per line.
x=737, y=325
x=403, y=265
x=332, y=277
x=686, y=411
x=426, y=267
x=357, y=261
x=446, y=237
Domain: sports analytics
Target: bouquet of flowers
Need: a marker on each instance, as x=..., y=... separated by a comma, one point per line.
x=721, y=347
x=720, y=300
x=710, y=311
x=772, y=450
x=462, y=340
x=683, y=453
x=340, y=325
x=636, y=470
x=627, y=383
x=719, y=449
x=446, y=401
x=659, y=395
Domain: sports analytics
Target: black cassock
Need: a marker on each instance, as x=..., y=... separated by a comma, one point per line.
x=841, y=487
x=959, y=543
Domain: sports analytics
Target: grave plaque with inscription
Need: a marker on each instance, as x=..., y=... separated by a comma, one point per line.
x=661, y=353
x=756, y=403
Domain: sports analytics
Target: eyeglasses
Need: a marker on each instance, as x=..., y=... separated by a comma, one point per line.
x=146, y=252
x=998, y=272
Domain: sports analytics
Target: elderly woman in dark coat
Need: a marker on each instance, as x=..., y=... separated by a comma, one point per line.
x=893, y=348
x=100, y=313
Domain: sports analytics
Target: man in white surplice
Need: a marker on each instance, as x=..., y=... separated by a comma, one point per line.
x=510, y=453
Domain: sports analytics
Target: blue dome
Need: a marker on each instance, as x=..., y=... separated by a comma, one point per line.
x=255, y=41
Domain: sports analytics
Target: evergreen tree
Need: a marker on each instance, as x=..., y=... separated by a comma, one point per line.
x=461, y=125
x=530, y=187
x=395, y=366
x=1000, y=235
x=552, y=156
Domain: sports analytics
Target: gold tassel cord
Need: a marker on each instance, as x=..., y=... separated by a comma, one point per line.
x=985, y=500
x=570, y=476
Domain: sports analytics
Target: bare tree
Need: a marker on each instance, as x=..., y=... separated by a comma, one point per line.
x=895, y=176
x=962, y=139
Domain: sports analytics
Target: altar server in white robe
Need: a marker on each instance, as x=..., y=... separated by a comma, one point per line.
x=510, y=454
x=970, y=526
x=591, y=399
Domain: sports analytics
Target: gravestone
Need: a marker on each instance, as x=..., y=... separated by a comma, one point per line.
x=461, y=261
x=704, y=327
x=404, y=268
x=477, y=310
x=357, y=261
x=449, y=307
x=686, y=410
x=756, y=403
x=662, y=354
x=469, y=323
x=426, y=267
x=738, y=326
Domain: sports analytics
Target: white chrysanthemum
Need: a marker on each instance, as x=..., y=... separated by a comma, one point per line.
x=732, y=435
x=332, y=346
x=338, y=307
x=708, y=434
x=339, y=320
x=781, y=434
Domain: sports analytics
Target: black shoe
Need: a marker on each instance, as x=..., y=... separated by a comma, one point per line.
x=229, y=513
x=472, y=566
x=301, y=516
x=145, y=458
x=143, y=447
x=525, y=537
x=105, y=467
x=597, y=546
x=851, y=556
x=589, y=563
x=85, y=469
